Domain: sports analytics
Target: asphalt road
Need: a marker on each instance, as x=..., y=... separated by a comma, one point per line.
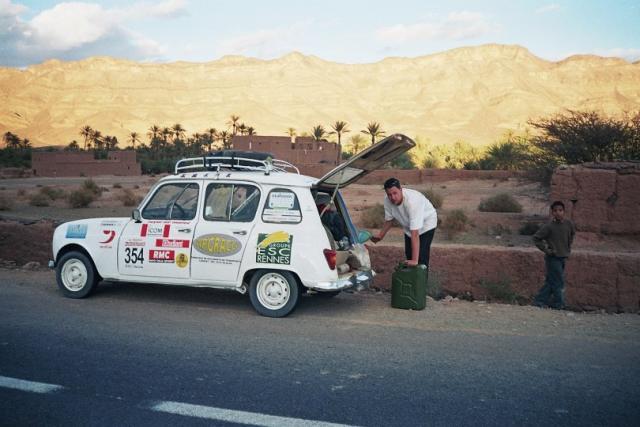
x=152, y=355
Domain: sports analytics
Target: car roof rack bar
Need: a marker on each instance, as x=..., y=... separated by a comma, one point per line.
x=211, y=163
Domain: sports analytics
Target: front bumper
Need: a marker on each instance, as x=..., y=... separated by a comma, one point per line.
x=359, y=281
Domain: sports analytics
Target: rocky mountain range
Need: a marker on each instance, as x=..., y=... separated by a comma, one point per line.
x=473, y=94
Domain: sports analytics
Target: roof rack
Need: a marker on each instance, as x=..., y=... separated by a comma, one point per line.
x=211, y=163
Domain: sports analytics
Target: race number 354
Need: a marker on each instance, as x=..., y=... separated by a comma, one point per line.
x=134, y=255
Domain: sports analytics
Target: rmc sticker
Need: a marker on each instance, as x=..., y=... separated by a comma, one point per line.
x=161, y=255
x=274, y=248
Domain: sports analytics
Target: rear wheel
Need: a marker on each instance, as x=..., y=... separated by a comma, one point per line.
x=76, y=275
x=273, y=293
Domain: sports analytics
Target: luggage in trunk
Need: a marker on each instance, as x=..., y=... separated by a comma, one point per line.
x=409, y=287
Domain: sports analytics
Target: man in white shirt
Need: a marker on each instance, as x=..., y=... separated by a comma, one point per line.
x=416, y=215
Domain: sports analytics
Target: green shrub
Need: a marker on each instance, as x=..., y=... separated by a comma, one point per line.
x=529, y=228
x=128, y=198
x=436, y=198
x=52, y=193
x=81, y=198
x=5, y=203
x=498, y=230
x=39, y=199
x=455, y=222
x=90, y=185
x=502, y=202
x=500, y=291
x=373, y=217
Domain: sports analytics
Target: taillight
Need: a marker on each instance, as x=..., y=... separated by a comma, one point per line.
x=330, y=256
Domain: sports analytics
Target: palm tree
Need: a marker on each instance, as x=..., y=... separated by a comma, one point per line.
x=373, y=129
x=96, y=139
x=233, y=122
x=73, y=146
x=226, y=139
x=86, y=132
x=250, y=131
x=213, y=134
x=178, y=132
x=318, y=132
x=133, y=138
x=110, y=142
x=153, y=132
x=242, y=128
x=166, y=135
x=25, y=144
x=339, y=127
x=357, y=142
x=11, y=140
x=291, y=132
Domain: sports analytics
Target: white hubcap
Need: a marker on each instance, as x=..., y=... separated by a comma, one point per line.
x=273, y=291
x=74, y=275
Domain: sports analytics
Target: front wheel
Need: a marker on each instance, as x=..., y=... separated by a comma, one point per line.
x=273, y=293
x=76, y=275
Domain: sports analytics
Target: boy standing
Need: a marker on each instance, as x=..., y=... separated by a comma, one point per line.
x=554, y=239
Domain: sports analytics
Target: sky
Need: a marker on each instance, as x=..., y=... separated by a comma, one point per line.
x=346, y=31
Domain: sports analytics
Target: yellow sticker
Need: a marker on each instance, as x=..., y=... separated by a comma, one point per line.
x=182, y=260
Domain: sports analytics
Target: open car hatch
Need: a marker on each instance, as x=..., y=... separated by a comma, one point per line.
x=365, y=162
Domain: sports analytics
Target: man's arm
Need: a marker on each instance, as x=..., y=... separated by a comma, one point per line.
x=385, y=228
x=540, y=239
x=415, y=248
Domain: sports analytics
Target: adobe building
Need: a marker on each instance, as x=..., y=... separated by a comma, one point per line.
x=67, y=163
x=299, y=151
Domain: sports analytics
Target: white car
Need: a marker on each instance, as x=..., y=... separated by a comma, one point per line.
x=234, y=221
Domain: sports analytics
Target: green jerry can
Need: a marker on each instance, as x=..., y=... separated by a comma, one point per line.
x=409, y=287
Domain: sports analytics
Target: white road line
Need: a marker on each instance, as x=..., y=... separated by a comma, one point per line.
x=241, y=417
x=25, y=385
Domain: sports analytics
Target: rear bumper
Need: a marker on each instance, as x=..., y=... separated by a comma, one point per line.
x=359, y=280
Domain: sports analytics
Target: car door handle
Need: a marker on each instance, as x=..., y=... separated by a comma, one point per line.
x=241, y=232
x=184, y=230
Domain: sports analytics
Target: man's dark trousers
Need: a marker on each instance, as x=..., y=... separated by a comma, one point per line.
x=552, y=292
x=425, y=247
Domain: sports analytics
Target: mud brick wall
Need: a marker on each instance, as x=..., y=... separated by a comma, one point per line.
x=600, y=198
x=416, y=176
x=594, y=279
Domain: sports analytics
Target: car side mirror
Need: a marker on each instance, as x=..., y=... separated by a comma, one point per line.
x=135, y=215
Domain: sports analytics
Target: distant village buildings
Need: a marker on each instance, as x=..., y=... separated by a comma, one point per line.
x=66, y=163
x=299, y=151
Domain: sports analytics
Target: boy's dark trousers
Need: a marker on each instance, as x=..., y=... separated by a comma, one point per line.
x=552, y=292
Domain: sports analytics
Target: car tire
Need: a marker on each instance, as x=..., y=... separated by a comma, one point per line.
x=76, y=275
x=274, y=293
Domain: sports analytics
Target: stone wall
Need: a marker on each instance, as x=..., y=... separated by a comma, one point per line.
x=600, y=197
x=594, y=279
x=64, y=163
x=417, y=176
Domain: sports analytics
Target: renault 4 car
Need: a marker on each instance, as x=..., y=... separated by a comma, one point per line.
x=232, y=220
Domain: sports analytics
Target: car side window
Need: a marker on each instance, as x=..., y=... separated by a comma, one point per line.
x=231, y=202
x=173, y=201
x=282, y=206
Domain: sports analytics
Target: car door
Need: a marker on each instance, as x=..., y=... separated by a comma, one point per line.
x=365, y=162
x=158, y=247
x=221, y=236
